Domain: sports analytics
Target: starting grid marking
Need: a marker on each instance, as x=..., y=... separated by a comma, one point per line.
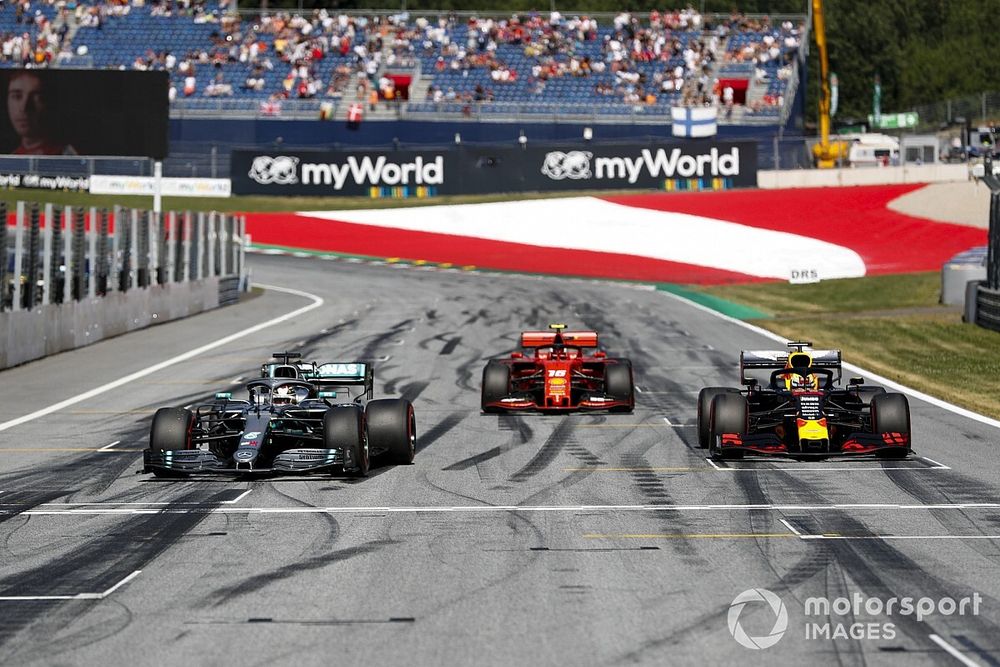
x=76, y=596
x=85, y=509
x=795, y=532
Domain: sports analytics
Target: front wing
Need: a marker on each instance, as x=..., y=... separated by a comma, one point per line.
x=529, y=404
x=200, y=461
x=857, y=444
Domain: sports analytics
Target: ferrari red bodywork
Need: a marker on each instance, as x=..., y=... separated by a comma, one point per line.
x=558, y=371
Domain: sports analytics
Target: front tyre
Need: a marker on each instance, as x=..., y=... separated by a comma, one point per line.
x=496, y=385
x=171, y=431
x=891, y=414
x=619, y=385
x=392, y=427
x=728, y=413
x=705, y=397
x=344, y=428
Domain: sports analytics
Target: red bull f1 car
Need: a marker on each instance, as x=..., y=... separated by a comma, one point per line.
x=792, y=405
x=558, y=371
x=298, y=417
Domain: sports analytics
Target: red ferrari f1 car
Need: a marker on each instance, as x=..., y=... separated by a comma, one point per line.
x=556, y=374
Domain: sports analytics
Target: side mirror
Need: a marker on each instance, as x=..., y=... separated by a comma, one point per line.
x=223, y=396
x=749, y=382
x=517, y=355
x=327, y=394
x=856, y=382
x=600, y=355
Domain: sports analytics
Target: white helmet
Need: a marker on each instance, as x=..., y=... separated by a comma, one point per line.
x=285, y=394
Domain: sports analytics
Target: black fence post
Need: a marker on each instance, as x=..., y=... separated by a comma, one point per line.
x=102, y=252
x=4, y=257
x=80, y=267
x=33, y=268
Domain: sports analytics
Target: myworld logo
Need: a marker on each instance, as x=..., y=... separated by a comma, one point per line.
x=284, y=170
x=656, y=164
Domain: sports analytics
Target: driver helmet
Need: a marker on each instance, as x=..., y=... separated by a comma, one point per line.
x=285, y=395
x=795, y=382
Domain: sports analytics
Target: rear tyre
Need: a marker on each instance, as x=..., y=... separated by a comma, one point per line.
x=171, y=430
x=496, y=385
x=705, y=397
x=619, y=385
x=891, y=414
x=344, y=428
x=728, y=414
x=392, y=426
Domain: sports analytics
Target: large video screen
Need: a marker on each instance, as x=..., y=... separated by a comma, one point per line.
x=83, y=112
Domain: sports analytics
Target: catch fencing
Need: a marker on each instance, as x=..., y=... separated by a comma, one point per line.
x=54, y=255
x=71, y=276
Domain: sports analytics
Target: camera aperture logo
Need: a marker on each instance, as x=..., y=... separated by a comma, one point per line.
x=780, y=618
x=855, y=617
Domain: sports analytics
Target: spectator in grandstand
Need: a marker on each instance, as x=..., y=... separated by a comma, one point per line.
x=31, y=112
x=218, y=87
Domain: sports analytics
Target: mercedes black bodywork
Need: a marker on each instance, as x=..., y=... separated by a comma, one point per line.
x=298, y=417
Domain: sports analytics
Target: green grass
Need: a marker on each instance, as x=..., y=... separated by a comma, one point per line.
x=892, y=325
x=264, y=204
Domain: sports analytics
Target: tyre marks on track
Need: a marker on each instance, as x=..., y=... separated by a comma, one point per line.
x=521, y=434
x=95, y=564
x=559, y=439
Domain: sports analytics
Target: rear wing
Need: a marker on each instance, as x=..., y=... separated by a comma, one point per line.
x=342, y=374
x=548, y=338
x=769, y=360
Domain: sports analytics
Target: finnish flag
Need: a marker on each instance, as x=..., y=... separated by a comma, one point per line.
x=694, y=121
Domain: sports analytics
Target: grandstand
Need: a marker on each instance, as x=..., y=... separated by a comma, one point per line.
x=423, y=79
x=601, y=65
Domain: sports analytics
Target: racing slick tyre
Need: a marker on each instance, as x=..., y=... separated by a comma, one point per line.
x=618, y=384
x=728, y=413
x=392, y=427
x=171, y=430
x=344, y=428
x=866, y=394
x=496, y=385
x=705, y=397
x=891, y=414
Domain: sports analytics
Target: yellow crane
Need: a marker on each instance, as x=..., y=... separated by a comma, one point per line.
x=826, y=152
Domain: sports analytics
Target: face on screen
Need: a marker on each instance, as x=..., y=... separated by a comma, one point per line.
x=27, y=107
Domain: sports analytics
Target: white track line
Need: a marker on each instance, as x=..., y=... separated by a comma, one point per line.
x=714, y=465
x=790, y=527
x=900, y=537
x=215, y=508
x=937, y=466
x=78, y=596
x=108, y=447
x=165, y=503
x=953, y=652
x=97, y=391
x=237, y=498
x=926, y=398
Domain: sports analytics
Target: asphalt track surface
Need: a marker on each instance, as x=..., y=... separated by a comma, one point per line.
x=565, y=540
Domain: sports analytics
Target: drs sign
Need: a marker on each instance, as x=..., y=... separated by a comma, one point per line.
x=478, y=170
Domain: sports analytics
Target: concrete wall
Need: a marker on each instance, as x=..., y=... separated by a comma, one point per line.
x=28, y=335
x=819, y=178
